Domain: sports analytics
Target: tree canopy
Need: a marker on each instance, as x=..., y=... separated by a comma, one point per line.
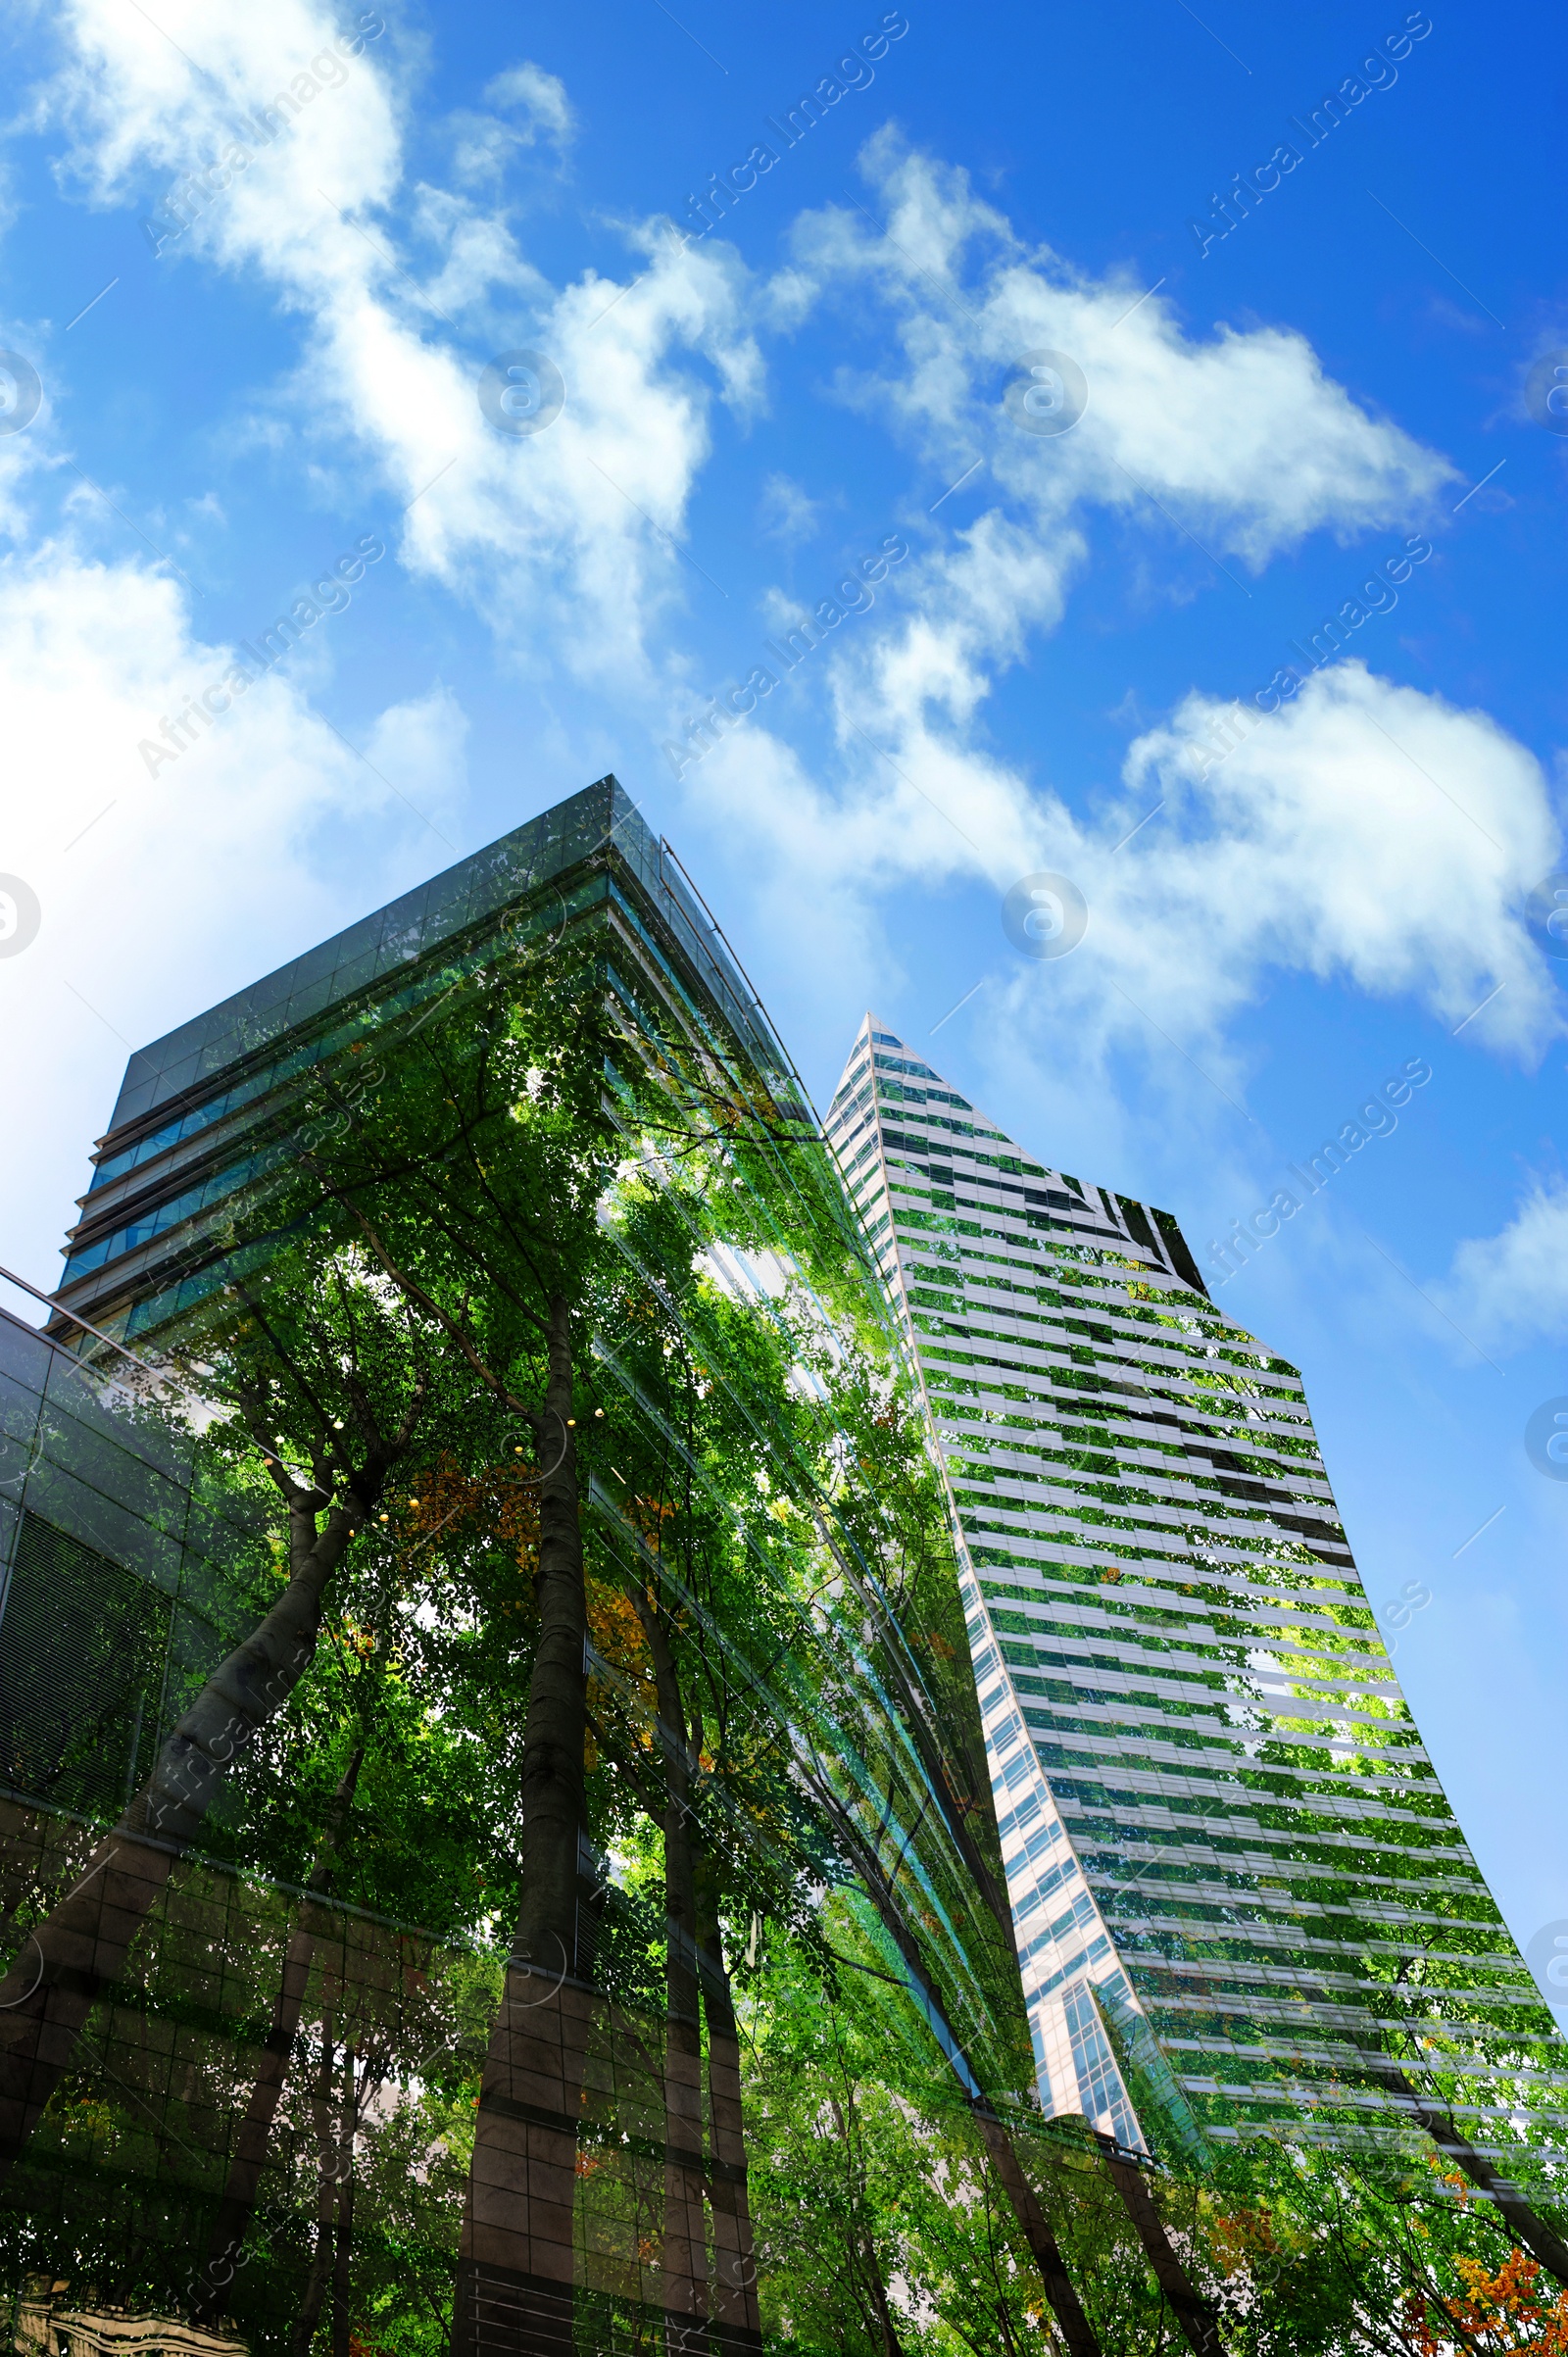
x=599, y=1630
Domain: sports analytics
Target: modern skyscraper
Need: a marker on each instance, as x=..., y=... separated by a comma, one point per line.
x=206, y=1111
x=116, y=1579
x=877, y=1722
x=1242, y=1901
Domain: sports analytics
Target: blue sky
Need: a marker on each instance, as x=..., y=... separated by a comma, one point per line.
x=1039, y=640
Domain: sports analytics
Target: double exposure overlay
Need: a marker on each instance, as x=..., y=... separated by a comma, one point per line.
x=1220, y=1823
x=634, y=1722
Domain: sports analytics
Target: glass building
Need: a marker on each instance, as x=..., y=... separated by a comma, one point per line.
x=1168, y=1815
x=1241, y=1902
x=876, y=1707
x=206, y=1113
x=117, y=1579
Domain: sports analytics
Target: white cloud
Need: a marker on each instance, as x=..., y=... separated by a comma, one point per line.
x=418, y=748
x=1511, y=1289
x=160, y=894
x=974, y=604
x=148, y=105
x=1366, y=833
x=1241, y=435
x=536, y=112
x=787, y=512
x=25, y=450
x=564, y=540
x=536, y=99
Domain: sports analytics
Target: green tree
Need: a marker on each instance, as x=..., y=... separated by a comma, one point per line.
x=325, y=1372
x=474, y=1184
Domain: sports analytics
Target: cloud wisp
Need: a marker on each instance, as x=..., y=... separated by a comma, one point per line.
x=1369, y=834
x=1512, y=1288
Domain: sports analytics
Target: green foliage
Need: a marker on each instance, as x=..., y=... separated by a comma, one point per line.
x=762, y=1511
x=868, y=2175
x=1322, y=2256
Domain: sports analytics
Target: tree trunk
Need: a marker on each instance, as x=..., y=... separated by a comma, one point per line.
x=49, y=1991
x=1197, y=2318
x=556, y=1725
x=1539, y=2239
x=863, y=2250
x=735, y=2311
x=1543, y=2241
x=1076, y=2329
x=250, y=2148
x=310, y=2308
x=514, y=2295
x=344, y=2252
x=891, y=2346
x=918, y=1726
x=1063, y=2301
x=685, y=2242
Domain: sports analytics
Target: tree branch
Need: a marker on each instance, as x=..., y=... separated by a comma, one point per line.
x=414, y=1292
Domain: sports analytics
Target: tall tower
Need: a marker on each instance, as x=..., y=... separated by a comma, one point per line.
x=1241, y=1902
x=103, y=1647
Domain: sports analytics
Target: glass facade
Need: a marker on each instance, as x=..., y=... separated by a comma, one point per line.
x=121, y=1582
x=1237, y=1886
x=866, y=1698
x=215, y=1108
x=1165, y=1822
